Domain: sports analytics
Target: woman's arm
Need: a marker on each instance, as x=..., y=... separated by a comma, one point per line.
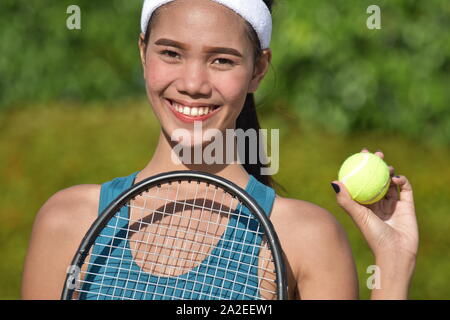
x=317, y=250
x=390, y=228
x=395, y=275
x=57, y=231
x=328, y=269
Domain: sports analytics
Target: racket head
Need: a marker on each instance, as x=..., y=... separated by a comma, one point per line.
x=73, y=286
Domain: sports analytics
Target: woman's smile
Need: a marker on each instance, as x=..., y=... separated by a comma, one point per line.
x=190, y=112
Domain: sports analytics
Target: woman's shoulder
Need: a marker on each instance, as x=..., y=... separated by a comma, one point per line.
x=309, y=234
x=70, y=210
x=296, y=213
x=59, y=226
x=301, y=223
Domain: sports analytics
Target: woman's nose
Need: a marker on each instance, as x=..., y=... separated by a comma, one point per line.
x=195, y=80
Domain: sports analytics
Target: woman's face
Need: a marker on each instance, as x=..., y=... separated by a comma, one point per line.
x=199, y=65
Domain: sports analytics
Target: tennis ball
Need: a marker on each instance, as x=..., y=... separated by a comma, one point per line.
x=366, y=177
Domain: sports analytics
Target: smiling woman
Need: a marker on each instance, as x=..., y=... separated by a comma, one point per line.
x=202, y=61
x=220, y=70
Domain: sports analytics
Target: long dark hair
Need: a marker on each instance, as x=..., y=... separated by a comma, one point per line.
x=248, y=118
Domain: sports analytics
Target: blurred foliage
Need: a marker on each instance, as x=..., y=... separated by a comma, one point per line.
x=42, y=60
x=55, y=146
x=328, y=67
x=331, y=69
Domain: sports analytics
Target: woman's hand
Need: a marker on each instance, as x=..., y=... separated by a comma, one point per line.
x=389, y=225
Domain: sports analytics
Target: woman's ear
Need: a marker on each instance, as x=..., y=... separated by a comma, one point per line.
x=142, y=50
x=260, y=70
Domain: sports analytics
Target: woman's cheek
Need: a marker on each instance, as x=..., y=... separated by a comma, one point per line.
x=234, y=87
x=158, y=75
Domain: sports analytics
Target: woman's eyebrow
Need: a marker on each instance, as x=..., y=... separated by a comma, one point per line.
x=223, y=50
x=172, y=43
x=176, y=44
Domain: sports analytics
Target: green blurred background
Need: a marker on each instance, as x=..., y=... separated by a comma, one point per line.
x=73, y=110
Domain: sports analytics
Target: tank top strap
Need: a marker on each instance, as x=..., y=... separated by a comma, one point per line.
x=112, y=189
x=263, y=195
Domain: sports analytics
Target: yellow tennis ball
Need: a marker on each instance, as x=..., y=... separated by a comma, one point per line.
x=366, y=177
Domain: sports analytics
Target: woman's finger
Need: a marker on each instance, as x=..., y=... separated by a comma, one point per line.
x=392, y=193
x=361, y=215
x=391, y=171
x=406, y=193
x=377, y=153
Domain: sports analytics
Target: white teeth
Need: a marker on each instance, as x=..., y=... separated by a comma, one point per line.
x=192, y=111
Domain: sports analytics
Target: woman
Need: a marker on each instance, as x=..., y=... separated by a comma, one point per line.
x=203, y=60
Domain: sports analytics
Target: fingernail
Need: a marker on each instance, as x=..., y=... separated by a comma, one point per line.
x=335, y=187
x=397, y=176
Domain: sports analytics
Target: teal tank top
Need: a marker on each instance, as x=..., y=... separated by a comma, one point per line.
x=107, y=268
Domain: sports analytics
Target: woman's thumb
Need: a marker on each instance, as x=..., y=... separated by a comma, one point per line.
x=357, y=212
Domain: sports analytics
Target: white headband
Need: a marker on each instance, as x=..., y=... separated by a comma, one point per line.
x=254, y=12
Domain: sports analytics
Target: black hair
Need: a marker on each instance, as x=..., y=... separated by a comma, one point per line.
x=248, y=118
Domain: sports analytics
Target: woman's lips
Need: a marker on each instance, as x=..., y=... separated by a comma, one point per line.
x=189, y=117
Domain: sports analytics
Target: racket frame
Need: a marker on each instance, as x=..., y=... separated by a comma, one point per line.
x=170, y=177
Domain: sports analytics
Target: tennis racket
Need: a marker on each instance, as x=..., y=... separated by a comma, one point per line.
x=179, y=235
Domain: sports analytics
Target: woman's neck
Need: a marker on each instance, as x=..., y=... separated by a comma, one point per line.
x=165, y=159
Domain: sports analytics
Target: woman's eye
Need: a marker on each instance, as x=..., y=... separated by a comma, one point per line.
x=220, y=61
x=170, y=54
x=223, y=61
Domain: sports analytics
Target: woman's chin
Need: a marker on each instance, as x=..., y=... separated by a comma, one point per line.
x=190, y=145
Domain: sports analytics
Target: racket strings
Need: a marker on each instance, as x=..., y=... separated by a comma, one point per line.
x=183, y=231
x=137, y=251
x=166, y=235
x=114, y=277
x=164, y=245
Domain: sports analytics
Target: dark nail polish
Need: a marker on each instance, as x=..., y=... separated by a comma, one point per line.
x=397, y=176
x=335, y=187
